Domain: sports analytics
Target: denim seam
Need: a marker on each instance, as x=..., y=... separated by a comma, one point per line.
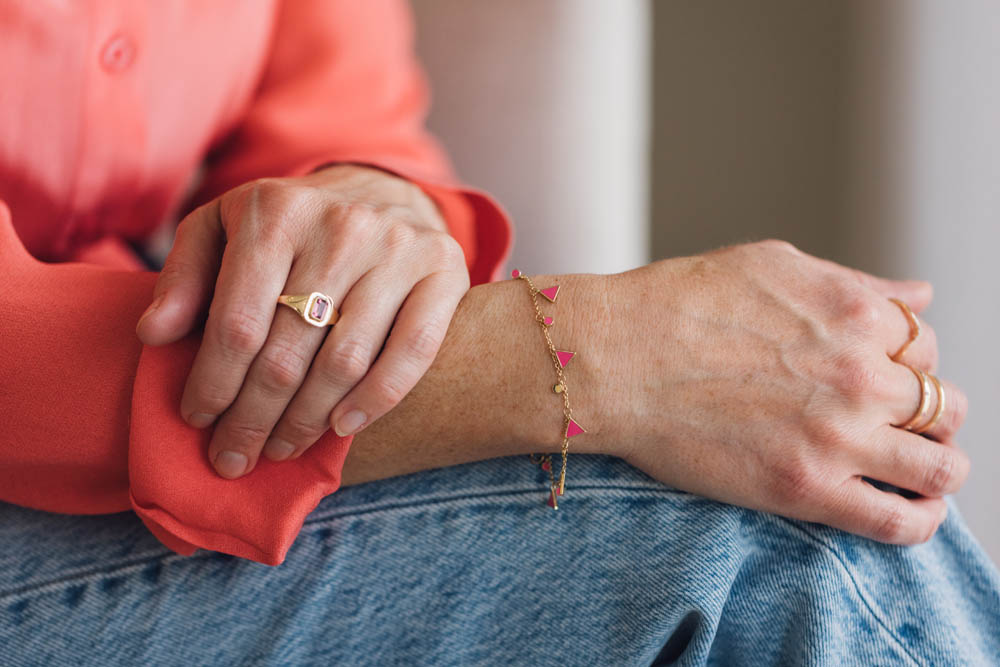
x=490, y=492
x=166, y=556
x=873, y=608
x=93, y=575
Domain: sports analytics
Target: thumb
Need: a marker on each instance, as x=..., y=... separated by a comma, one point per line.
x=187, y=280
x=917, y=294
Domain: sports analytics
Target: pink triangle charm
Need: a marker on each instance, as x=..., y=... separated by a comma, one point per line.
x=550, y=293
x=572, y=428
x=547, y=321
x=563, y=356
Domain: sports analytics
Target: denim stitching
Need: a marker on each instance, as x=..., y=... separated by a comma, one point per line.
x=95, y=574
x=850, y=575
x=488, y=492
x=436, y=499
x=167, y=556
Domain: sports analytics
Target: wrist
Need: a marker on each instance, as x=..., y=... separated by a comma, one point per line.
x=580, y=325
x=489, y=391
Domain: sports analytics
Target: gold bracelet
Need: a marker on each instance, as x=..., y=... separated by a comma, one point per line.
x=559, y=360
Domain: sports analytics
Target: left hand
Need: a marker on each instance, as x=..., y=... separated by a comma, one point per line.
x=373, y=242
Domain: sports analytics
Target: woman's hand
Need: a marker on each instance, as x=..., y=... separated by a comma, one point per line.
x=373, y=242
x=761, y=376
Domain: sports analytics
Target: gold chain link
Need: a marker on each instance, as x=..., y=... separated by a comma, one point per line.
x=561, y=388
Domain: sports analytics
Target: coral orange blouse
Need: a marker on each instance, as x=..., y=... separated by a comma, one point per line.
x=107, y=109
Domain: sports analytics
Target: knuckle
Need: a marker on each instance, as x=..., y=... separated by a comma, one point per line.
x=858, y=308
x=299, y=432
x=242, y=331
x=249, y=195
x=282, y=365
x=268, y=190
x=391, y=390
x=778, y=244
x=940, y=473
x=889, y=523
x=793, y=481
x=346, y=362
x=449, y=250
x=400, y=237
x=356, y=221
x=274, y=202
x=245, y=436
x=209, y=398
x=176, y=270
x=830, y=434
x=423, y=343
x=856, y=375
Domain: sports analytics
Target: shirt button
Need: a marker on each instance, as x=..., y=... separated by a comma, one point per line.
x=118, y=53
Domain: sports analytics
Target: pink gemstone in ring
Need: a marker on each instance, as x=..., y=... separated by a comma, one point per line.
x=319, y=308
x=315, y=308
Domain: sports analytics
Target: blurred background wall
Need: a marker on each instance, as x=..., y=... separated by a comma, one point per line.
x=865, y=131
x=546, y=105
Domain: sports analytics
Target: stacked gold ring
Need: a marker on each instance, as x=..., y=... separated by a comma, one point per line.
x=914, y=328
x=925, y=379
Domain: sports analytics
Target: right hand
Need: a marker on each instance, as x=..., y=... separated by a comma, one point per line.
x=761, y=376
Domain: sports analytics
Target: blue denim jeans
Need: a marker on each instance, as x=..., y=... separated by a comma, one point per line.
x=467, y=566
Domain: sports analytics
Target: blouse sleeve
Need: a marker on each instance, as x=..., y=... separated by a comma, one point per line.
x=342, y=84
x=91, y=418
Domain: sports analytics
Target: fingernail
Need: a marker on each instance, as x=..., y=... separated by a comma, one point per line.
x=230, y=464
x=200, y=419
x=351, y=422
x=944, y=514
x=152, y=309
x=278, y=450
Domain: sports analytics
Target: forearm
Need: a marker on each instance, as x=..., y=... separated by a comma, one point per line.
x=489, y=392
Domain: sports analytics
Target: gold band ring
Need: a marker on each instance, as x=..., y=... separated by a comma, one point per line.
x=938, y=410
x=914, y=328
x=925, y=396
x=315, y=308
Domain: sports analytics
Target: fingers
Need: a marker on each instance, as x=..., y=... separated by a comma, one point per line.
x=903, y=398
x=917, y=294
x=251, y=278
x=272, y=380
x=888, y=517
x=913, y=462
x=412, y=346
x=346, y=355
x=185, y=285
x=898, y=329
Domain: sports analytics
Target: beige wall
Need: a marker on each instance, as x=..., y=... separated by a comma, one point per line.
x=544, y=103
x=749, y=124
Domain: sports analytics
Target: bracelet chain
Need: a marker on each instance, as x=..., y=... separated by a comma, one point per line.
x=560, y=387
